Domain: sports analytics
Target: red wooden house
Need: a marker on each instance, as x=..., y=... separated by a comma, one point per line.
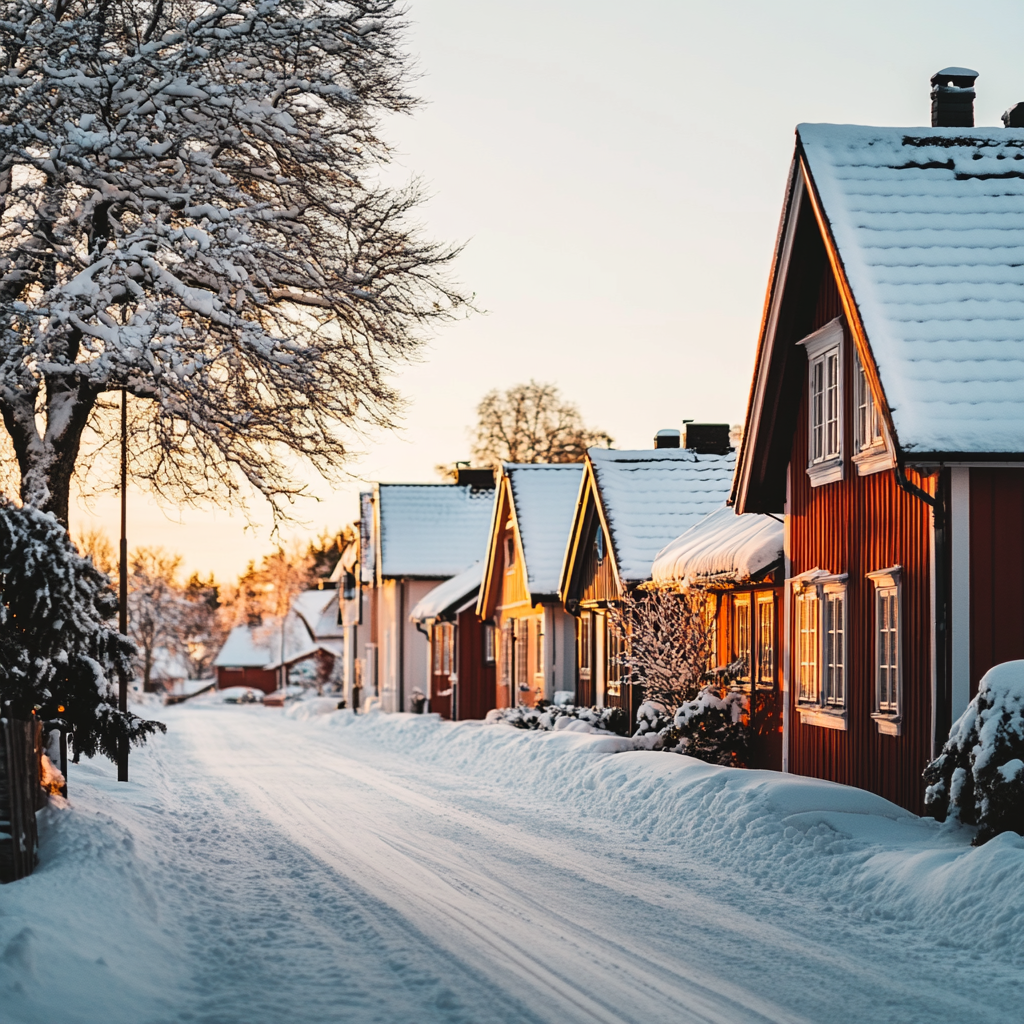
x=737, y=561
x=462, y=648
x=886, y=421
x=631, y=504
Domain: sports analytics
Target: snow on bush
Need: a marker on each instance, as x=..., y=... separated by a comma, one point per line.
x=59, y=657
x=978, y=778
x=548, y=716
x=709, y=727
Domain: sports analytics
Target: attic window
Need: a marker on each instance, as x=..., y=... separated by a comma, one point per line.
x=510, y=552
x=599, y=544
x=825, y=399
x=871, y=454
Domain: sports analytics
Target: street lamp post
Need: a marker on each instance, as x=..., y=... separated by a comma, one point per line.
x=122, y=688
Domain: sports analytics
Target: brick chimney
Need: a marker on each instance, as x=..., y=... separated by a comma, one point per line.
x=1014, y=117
x=707, y=438
x=953, y=98
x=666, y=439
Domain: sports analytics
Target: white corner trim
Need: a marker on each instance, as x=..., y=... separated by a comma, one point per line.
x=888, y=725
x=960, y=587
x=823, y=718
x=873, y=460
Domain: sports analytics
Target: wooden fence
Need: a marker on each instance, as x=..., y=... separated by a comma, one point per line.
x=20, y=797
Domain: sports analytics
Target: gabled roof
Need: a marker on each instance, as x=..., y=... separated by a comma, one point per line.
x=645, y=499
x=449, y=597
x=923, y=231
x=929, y=227
x=722, y=548
x=318, y=610
x=243, y=650
x=430, y=531
x=543, y=500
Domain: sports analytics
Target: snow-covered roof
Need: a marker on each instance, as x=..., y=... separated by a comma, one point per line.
x=318, y=609
x=929, y=225
x=449, y=596
x=651, y=496
x=432, y=530
x=722, y=547
x=544, y=498
x=242, y=649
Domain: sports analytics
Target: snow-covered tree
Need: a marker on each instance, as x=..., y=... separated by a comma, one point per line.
x=191, y=209
x=59, y=656
x=157, y=607
x=979, y=776
x=531, y=423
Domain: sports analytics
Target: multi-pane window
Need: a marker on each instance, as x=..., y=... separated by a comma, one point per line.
x=834, y=662
x=612, y=658
x=868, y=425
x=887, y=604
x=521, y=654
x=437, y=635
x=507, y=648
x=742, y=634
x=766, y=640
x=584, y=639
x=539, y=666
x=807, y=646
x=825, y=421
x=489, y=643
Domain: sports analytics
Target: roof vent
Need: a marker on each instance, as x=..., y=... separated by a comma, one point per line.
x=478, y=479
x=1014, y=117
x=666, y=439
x=953, y=98
x=707, y=438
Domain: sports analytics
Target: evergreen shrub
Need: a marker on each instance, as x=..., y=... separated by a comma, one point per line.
x=978, y=778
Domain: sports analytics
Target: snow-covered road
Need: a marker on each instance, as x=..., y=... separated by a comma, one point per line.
x=262, y=869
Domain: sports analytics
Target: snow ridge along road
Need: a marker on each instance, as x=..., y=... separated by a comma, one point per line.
x=269, y=867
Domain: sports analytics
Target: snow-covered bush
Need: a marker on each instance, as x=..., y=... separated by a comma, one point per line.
x=979, y=776
x=709, y=727
x=59, y=656
x=544, y=716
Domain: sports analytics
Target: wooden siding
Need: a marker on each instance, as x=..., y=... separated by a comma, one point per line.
x=263, y=679
x=474, y=694
x=854, y=526
x=997, y=569
x=597, y=577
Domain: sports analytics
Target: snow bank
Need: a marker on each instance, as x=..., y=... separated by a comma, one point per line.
x=861, y=854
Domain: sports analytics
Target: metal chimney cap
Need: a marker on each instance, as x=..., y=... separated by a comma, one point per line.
x=953, y=74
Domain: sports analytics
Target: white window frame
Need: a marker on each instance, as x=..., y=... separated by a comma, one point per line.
x=871, y=450
x=743, y=607
x=888, y=713
x=824, y=349
x=819, y=703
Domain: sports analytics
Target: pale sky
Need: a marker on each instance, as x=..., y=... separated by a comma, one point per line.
x=617, y=172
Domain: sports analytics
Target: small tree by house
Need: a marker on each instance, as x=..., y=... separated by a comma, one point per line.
x=690, y=704
x=531, y=423
x=59, y=655
x=979, y=776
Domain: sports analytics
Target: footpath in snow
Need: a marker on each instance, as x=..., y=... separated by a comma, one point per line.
x=269, y=867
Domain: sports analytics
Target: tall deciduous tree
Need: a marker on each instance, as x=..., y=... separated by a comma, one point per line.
x=531, y=423
x=157, y=607
x=190, y=210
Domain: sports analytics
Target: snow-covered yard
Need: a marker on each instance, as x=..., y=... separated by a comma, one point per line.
x=265, y=867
